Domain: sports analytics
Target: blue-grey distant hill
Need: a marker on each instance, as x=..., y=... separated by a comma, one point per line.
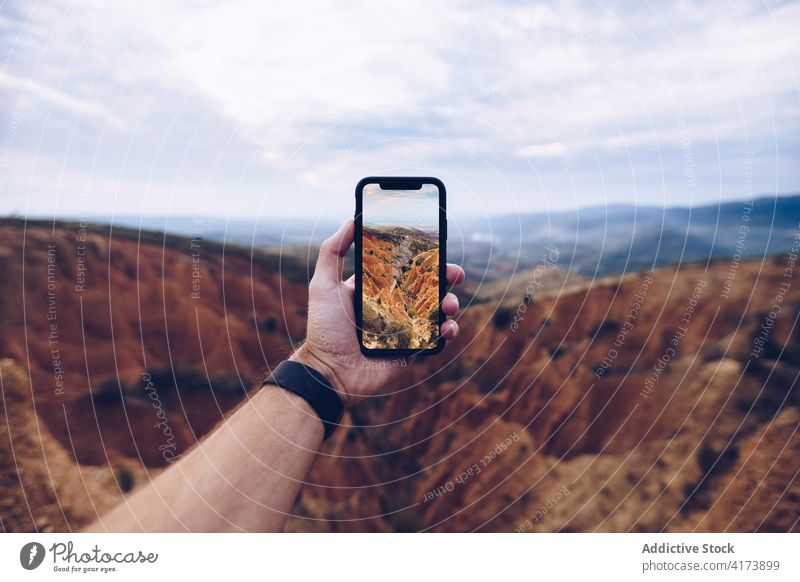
x=616, y=238
x=592, y=241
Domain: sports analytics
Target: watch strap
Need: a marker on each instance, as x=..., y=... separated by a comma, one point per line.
x=313, y=387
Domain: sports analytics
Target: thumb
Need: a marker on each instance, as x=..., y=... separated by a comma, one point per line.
x=330, y=262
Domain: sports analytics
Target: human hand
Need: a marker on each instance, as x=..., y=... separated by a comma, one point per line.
x=331, y=345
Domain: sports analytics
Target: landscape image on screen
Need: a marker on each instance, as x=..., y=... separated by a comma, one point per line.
x=400, y=258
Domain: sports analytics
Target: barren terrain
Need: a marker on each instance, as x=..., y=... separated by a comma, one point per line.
x=401, y=288
x=571, y=413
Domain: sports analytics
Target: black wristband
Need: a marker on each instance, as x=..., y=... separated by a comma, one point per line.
x=313, y=387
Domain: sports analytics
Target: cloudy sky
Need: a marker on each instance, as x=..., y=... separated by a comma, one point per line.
x=419, y=208
x=246, y=109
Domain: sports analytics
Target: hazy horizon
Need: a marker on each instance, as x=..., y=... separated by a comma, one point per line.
x=453, y=210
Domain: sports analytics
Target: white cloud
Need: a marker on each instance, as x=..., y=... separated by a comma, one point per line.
x=48, y=96
x=414, y=85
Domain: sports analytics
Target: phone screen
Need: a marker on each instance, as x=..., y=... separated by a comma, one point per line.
x=400, y=260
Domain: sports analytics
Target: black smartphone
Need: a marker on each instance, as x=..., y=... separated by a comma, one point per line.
x=400, y=262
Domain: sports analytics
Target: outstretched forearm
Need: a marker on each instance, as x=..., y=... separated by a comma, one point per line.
x=247, y=473
x=244, y=477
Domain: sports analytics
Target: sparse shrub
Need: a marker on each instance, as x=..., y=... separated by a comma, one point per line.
x=606, y=326
x=230, y=383
x=455, y=370
x=108, y=392
x=502, y=317
x=124, y=478
x=407, y=520
x=269, y=325
x=165, y=381
x=403, y=339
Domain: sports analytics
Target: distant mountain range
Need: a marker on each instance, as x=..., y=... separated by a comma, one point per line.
x=618, y=238
x=591, y=241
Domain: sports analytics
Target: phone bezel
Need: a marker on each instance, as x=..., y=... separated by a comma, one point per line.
x=398, y=183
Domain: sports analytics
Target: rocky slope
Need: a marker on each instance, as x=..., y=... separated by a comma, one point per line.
x=602, y=445
x=41, y=486
x=660, y=400
x=110, y=326
x=401, y=288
